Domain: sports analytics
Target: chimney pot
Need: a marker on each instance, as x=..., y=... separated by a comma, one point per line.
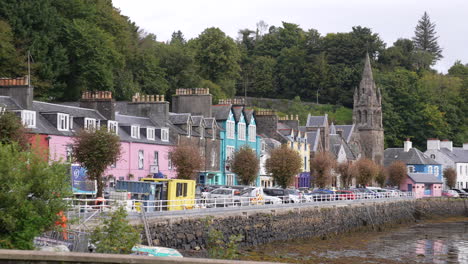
x=162, y=98
x=407, y=145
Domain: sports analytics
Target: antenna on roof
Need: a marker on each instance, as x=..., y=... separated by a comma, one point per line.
x=29, y=68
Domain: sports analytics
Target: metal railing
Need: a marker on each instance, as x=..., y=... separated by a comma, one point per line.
x=88, y=209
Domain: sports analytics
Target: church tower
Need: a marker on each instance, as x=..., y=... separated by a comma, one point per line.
x=367, y=116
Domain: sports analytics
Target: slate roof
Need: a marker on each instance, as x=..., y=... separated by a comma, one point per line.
x=71, y=110
x=126, y=120
x=457, y=155
x=179, y=118
x=9, y=103
x=347, y=131
x=209, y=122
x=317, y=121
x=312, y=139
x=248, y=115
x=221, y=112
x=424, y=178
x=282, y=126
x=303, y=129
x=237, y=112
x=197, y=121
x=134, y=120
x=413, y=156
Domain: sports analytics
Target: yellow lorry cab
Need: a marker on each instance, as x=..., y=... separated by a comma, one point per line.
x=180, y=194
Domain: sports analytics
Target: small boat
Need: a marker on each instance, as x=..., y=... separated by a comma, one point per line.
x=142, y=250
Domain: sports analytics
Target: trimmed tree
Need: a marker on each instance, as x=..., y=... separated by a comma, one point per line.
x=396, y=173
x=346, y=177
x=96, y=150
x=450, y=176
x=381, y=177
x=365, y=171
x=321, y=167
x=245, y=164
x=31, y=195
x=12, y=130
x=284, y=163
x=187, y=161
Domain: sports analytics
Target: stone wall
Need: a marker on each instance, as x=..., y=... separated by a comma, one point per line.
x=285, y=224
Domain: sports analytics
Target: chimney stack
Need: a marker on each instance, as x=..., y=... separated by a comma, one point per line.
x=100, y=101
x=19, y=89
x=433, y=144
x=447, y=144
x=408, y=145
x=196, y=101
x=465, y=146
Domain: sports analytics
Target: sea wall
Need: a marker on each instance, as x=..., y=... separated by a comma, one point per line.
x=290, y=223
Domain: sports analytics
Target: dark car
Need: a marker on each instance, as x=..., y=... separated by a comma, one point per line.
x=322, y=195
x=278, y=192
x=461, y=193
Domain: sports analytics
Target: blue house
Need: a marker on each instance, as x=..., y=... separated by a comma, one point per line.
x=415, y=160
x=238, y=129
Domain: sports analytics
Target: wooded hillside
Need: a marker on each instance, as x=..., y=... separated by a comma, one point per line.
x=88, y=45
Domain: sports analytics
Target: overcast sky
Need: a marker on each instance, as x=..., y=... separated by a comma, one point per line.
x=391, y=19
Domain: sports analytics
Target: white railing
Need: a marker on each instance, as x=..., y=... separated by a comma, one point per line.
x=88, y=208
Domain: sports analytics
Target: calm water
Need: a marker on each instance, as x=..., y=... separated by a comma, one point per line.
x=437, y=243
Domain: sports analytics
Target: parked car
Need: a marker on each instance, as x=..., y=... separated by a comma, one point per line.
x=322, y=195
x=251, y=195
x=272, y=199
x=277, y=192
x=294, y=196
x=380, y=193
x=450, y=193
x=461, y=193
x=364, y=193
x=345, y=195
x=221, y=197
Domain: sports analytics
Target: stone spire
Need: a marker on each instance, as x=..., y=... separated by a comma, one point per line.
x=367, y=73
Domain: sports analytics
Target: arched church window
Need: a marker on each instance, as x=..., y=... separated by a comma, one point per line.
x=359, y=117
x=364, y=113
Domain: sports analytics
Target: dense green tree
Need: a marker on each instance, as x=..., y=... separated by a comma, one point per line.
x=425, y=39
x=246, y=165
x=13, y=131
x=217, y=56
x=10, y=60
x=31, y=195
x=283, y=164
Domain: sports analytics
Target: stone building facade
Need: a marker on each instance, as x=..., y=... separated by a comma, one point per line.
x=367, y=117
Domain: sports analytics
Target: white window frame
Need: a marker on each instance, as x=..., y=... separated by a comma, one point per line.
x=135, y=131
x=113, y=126
x=189, y=129
x=169, y=161
x=156, y=158
x=411, y=169
x=230, y=126
x=252, y=133
x=28, y=118
x=202, y=132
x=90, y=122
x=63, y=122
x=71, y=123
x=141, y=159
x=429, y=169
x=165, y=134
x=436, y=171
x=213, y=157
x=230, y=152
x=230, y=179
x=213, y=137
x=241, y=131
x=151, y=133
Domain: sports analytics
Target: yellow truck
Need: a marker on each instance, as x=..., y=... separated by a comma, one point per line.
x=176, y=194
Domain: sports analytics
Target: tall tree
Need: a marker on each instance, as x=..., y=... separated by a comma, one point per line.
x=397, y=173
x=246, y=165
x=187, y=161
x=425, y=39
x=346, y=176
x=31, y=195
x=321, y=169
x=217, y=56
x=450, y=176
x=13, y=131
x=96, y=150
x=284, y=163
x=365, y=171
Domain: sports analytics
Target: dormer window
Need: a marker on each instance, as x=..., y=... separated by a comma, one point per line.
x=90, y=123
x=28, y=118
x=63, y=122
x=165, y=134
x=135, y=131
x=150, y=133
x=113, y=127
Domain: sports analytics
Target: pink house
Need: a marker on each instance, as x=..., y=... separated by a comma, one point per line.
x=422, y=184
x=138, y=160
